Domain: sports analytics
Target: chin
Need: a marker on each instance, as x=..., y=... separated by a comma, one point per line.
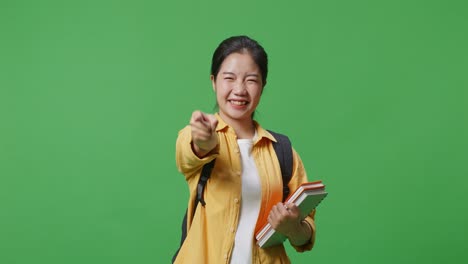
x=236, y=115
x=241, y=116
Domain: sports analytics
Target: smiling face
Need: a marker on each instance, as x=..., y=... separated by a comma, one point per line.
x=238, y=88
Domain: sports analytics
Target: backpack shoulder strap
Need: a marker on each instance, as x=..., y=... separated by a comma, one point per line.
x=205, y=175
x=283, y=149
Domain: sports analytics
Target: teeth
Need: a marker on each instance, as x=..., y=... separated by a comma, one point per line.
x=239, y=102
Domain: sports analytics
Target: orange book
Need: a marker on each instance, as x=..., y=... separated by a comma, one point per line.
x=307, y=197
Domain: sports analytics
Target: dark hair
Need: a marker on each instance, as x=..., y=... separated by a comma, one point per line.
x=240, y=44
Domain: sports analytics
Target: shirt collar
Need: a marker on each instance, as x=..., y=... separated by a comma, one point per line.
x=261, y=132
x=221, y=124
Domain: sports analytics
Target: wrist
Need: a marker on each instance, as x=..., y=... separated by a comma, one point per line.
x=204, y=151
x=301, y=234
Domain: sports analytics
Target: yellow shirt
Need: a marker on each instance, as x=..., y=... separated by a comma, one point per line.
x=211, y=232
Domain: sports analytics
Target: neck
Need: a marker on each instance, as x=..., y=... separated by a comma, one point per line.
x=244, y=128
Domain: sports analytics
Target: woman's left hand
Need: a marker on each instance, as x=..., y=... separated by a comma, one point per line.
x=286, y=219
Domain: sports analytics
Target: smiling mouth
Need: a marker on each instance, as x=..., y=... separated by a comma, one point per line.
x=238, y=102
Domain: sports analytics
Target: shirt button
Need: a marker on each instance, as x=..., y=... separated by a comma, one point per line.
x=225, y=256
x=236, y=200
x=232, y=229
x=236, y=150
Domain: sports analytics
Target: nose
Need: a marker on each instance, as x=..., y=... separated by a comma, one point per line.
x=239, y=88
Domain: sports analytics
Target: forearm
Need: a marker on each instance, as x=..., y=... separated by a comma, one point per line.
x=301, y=234
x=200, y=152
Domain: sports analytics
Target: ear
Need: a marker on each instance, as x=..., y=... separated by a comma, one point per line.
x=213, y=82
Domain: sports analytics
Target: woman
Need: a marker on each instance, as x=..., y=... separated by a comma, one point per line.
x=245, y=187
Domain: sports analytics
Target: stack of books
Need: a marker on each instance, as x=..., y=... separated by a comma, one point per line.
x=307, y=196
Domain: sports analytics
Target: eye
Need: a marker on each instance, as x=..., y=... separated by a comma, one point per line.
x=228, y=78
x=252, y=80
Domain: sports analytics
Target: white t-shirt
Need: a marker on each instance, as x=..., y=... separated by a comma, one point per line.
x=250, y=205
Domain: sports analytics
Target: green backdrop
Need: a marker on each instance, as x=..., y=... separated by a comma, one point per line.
x=373, y=95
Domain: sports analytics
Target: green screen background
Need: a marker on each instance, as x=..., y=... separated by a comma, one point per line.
x=373, y=95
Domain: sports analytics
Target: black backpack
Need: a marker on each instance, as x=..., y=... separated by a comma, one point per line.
x=283, y=150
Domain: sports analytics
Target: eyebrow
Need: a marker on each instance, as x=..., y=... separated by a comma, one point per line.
x=248, y=75
x=252, y=74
